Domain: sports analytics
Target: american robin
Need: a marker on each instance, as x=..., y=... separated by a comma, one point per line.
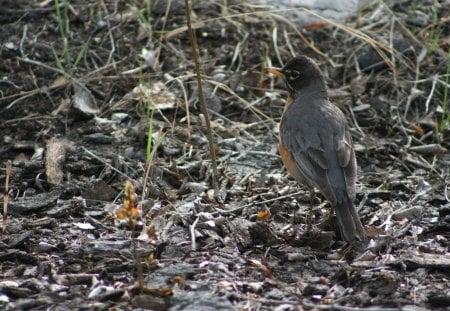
x=315, y=143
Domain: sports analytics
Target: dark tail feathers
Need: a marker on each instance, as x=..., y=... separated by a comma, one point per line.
x=348, y=220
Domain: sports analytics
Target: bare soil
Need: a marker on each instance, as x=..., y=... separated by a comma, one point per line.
x=75, y=121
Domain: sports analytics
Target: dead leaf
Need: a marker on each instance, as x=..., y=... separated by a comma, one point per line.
x=264, y=215
x=314, y=26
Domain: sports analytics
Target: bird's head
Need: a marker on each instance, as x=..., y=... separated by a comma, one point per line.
x=299, y=73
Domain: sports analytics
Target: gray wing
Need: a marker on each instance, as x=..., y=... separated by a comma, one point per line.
x=322, y=149
x=347, y=160
x=301, y=138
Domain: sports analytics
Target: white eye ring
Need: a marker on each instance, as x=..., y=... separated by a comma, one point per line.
x=294, y=74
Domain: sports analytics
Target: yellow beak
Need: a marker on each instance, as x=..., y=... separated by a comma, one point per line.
x=276, y=72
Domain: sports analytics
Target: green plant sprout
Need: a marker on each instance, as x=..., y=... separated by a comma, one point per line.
x=67, y=66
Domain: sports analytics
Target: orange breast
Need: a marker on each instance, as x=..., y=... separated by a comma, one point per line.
x=286, y=156
x=290, y=164
x=289, y=101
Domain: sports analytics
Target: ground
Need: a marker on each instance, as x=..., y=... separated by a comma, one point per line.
x=98, y=93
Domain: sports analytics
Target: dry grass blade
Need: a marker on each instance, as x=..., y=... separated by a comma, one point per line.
x=186, y=104
x=161, y=36
x=377, y=46
x=181, y=29
x=148, y=167
x=302, y=37
x=248, y=105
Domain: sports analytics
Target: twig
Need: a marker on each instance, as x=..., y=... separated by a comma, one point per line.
x=107, y=164
x=391, y=46
x=192, y=232
x=22, y=40
x=6, y=195
x=238, y=209
x=201, y=97
x=363, y=202
x=427, y=103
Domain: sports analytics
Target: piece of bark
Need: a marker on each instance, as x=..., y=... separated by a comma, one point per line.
x=32, y=204
x=54, y=161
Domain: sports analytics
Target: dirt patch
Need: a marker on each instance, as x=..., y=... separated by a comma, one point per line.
x=75, y=125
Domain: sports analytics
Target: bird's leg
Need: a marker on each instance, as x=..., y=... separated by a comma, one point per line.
x=312, y=199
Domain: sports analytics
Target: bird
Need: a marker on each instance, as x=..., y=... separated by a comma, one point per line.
x=315, y=143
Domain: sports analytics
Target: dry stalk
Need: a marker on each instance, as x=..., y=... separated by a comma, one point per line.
x=201, y=97
x=6, y=195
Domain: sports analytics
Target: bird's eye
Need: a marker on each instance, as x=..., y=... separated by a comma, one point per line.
x=294, y=74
